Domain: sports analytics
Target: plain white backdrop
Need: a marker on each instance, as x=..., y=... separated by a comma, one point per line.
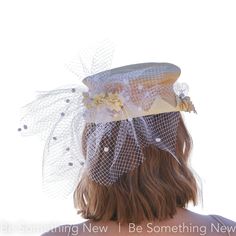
x=38, y=38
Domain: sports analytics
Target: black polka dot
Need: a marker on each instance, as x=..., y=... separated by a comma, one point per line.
x=25, y=126
x=81, y=163
x=54, y=138
x=67, y=100
x=73, y=90
x=19, y=129
x=68, y=149
x=70, y=163
x=62, y=114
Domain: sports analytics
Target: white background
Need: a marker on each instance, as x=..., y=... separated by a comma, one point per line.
x=39, y=37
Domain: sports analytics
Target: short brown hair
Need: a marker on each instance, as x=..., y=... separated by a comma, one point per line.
x=151, y=191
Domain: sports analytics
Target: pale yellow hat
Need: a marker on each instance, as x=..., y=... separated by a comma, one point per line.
x=133, y=91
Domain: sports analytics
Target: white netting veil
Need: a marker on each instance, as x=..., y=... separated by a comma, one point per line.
x=102, y=127
x=116, y=148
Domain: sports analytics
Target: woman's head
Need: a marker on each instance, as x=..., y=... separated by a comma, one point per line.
x=153, y=190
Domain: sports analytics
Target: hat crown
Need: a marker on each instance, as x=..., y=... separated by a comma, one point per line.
x=166, y=73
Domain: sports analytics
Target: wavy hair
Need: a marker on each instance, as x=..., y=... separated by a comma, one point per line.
x=152, y=191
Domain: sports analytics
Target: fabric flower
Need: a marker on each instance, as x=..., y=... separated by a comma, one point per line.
x=114, y=102
x=111, y=100
x=185, y=104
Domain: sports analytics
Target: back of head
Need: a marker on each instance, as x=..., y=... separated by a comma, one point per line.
x=151, y=191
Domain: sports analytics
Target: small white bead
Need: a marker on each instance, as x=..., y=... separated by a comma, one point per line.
x=130, y=119
x=126, y=81
x=158, y=139
x=106, y=149
x=146, y=94
x=140, y=86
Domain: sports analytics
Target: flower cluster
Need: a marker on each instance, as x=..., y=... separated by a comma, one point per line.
x=111, y=100
x=183, y=101
x=185, y=104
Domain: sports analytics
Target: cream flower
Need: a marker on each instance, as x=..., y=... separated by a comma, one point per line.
x=111, y=100
x=185, y=104
x=114, y=102
x=99, y=99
